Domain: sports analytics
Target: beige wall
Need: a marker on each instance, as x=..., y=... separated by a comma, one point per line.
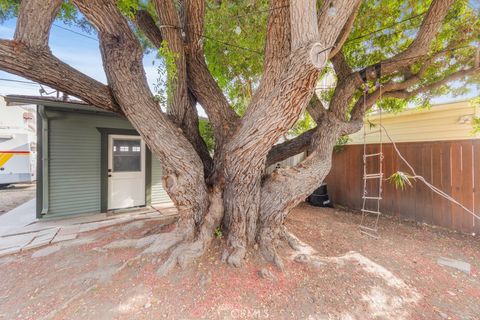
x=451, y=121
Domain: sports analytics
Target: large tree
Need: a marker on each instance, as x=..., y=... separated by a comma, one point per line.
x=255, y=78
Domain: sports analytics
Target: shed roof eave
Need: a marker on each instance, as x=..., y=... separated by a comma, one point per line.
x=18, y=100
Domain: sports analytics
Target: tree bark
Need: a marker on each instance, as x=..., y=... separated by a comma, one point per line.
x=245, y=154
x=286, y=188
x=34, y=22
x=42, y=66
x=181, y=106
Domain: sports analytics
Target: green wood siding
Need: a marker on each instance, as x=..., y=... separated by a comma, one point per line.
x=74, y=165
x=158, y=192
x=75, y=160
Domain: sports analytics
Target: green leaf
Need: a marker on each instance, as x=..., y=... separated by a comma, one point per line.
x=400, y=180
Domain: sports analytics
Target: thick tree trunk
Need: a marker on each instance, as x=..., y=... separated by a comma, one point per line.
x=241, y=201
x=286, y=188
x=286, y=90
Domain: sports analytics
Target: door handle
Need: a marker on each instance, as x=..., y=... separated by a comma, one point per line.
x=109, y=175
x=109, y=170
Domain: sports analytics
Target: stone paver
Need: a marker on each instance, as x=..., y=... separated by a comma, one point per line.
x=8, y=251
x=457, y=264
x=64, y=237
x=67, y=230
x=41, y=239
x=16, y=240
x=46, y=232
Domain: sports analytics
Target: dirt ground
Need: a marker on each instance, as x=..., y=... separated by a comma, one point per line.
x=343, y=275
x=14, y=195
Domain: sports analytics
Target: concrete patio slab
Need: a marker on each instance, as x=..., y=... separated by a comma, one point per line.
x=11, y=250
x=41, y=239
x=27, y=234
x=16, y=240
x=64, y=237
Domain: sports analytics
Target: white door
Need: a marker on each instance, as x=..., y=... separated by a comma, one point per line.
x=126, y=171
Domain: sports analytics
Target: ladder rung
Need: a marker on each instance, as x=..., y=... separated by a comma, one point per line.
x=372, y=198
x=370, y=211
x=373, y=176
x=374, y=131
x=372, y=155
x=370, y=234
x=368, y=228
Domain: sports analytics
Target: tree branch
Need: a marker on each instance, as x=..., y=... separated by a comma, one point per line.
x=316, y=108
x=180, y=107
x=340, y=65
x=400, y=89
x=310, y=172
x=34, y=21
x=28, y=56
x=405, y=94
x=277, y=45
x=290, y=148
x=147, y=25
x=345, y=32
x=349, y=84
x=303, y=22
x=420, y=46
x=270, y=115
x=201, y=82
x=41, y=66
x=344, y=91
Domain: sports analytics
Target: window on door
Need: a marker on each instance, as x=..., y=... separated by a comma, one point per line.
x=126, y=155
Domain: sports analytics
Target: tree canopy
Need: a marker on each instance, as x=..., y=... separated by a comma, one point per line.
x=234, y=41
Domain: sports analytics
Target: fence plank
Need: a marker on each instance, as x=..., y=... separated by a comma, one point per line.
x=439, y=210
x=467, y=185
x=457, y=184
x=476, y=188
x=452, y=166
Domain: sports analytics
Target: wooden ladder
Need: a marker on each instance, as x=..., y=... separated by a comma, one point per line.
x=371, y=202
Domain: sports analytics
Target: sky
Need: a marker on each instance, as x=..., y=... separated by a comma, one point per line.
x=82, y=53
x=78, y=51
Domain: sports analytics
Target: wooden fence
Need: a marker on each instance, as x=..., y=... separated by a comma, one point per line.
x=452, y=166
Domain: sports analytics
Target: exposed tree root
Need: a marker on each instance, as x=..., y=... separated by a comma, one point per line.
x=183, y=255
x=187, y=249
x=235, y=256
x=268, y=241
x=269, y=252
x=165, y=241
x=292, y=241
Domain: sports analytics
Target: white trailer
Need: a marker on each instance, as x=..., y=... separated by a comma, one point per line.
x=17, y=144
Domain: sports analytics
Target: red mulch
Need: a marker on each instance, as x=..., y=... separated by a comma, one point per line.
x=83, y=280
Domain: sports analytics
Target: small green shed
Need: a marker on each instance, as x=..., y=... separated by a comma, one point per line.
x=90, y=160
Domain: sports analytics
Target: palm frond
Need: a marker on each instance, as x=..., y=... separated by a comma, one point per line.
x=401, y=180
